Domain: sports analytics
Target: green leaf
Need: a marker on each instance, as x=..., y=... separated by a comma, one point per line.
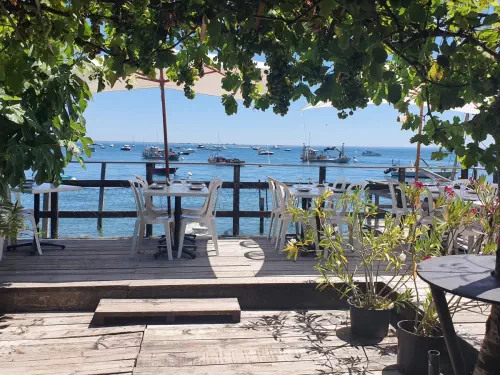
x=440, y=11
x=379, y=55
x=230, y=104
x=394, y=93
x=2, y=72
x=387, y=75
x=344, y=41
x=416, y=12
x=490, y=19
x=376, y=71
x=443, y=61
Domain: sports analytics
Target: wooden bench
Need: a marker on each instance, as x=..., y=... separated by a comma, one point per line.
x=168, y=308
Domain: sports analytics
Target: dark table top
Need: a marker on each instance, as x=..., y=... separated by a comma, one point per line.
x=467, y=276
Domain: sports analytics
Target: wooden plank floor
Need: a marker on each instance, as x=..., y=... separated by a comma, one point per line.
x=264, y=342
x=249, y=261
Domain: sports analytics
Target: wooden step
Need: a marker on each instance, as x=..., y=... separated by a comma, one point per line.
x=168, y=308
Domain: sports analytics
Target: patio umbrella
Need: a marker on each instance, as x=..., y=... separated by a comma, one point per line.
x=470, y=108
x=209, y=84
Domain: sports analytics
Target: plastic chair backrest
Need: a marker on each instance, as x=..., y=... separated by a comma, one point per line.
x=139, y=207
x=142, y=179
x=397, y=199
x=210, y=206
x=342, y=182
x=274, y=193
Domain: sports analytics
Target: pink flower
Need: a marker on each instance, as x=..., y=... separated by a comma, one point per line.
x=474, y=211
x=427, y=257
x=419, y=185
x=449, y=190
x=471, y=179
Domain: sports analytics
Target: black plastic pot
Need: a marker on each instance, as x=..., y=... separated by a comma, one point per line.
x=369, y=323
x=413, y=349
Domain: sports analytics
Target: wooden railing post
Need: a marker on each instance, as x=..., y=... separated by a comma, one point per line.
x=149, y=179
x=100, y=208
x=464, y=174
x=474, y=173
x=401, y=175
x=236, y=199
x=54, y=214
x=322, y=175
x=261, y=209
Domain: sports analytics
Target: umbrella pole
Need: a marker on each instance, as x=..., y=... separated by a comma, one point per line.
x=417, y=162
x=165, y=133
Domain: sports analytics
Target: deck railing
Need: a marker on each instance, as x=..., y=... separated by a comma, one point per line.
x=235, y=188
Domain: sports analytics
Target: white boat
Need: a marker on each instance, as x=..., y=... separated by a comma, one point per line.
x=201, y=146
x=276, y=147
x=256, y=148
x=370, y=153
x=126, y=148
x=355, y=159
x=111, y=145
x=311, y=155
x=102, y=146
x=265, y=152
x=288, y=149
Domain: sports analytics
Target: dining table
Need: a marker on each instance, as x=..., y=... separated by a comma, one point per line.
x=178, y=190
x=37, y=190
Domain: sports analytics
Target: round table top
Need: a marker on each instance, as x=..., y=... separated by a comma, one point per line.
x=467, y=276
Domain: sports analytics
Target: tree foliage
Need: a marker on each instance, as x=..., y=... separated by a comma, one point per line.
x=347, y=52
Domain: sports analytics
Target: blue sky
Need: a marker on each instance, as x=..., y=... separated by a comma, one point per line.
x=122, y=116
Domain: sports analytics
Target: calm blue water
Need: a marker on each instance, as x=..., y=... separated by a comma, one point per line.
x=121, y=199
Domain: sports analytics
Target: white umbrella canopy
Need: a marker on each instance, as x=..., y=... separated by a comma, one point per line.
x=209, y=84
x=468, y=108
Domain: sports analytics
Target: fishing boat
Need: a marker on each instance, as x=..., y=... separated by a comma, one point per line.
x=370, y=153
x=265, y=152
x=311, y=155
x=216, y=159
x=154, y=152
x=126, y=148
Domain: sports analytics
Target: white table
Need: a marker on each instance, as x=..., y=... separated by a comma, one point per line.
x=178, y=191
x=53, y=190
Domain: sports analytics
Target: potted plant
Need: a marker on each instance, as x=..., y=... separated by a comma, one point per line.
x=453, y=217
x=376, y=250
x=10, y=219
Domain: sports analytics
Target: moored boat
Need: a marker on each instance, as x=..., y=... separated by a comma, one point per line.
x=265, y=152
x=370, y=153
x=216, y=159
x=126, y=148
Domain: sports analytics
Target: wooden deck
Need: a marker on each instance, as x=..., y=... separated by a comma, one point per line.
x=75, y=279
x=264, y=342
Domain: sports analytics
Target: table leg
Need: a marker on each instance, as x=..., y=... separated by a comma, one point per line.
x=449, y=333
x=177, y=220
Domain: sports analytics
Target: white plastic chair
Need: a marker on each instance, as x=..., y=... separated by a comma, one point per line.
x=28, y=215
x=275, y=210
x=286, y=201
x=146, y=216
x=398, y=212
x=206, y=215
x=149, y=203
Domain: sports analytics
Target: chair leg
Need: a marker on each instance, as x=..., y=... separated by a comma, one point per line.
x=283, y=233
x=278, y=236
x=1, y=247
x=35, y=234
x=168, y=242
x=213, y=232
x=182, y=232
x=271, y=224
x=134, y=239
x=140, y=235
x=276, y=226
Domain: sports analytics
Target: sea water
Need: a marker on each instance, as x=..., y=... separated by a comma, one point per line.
x=293, y=171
